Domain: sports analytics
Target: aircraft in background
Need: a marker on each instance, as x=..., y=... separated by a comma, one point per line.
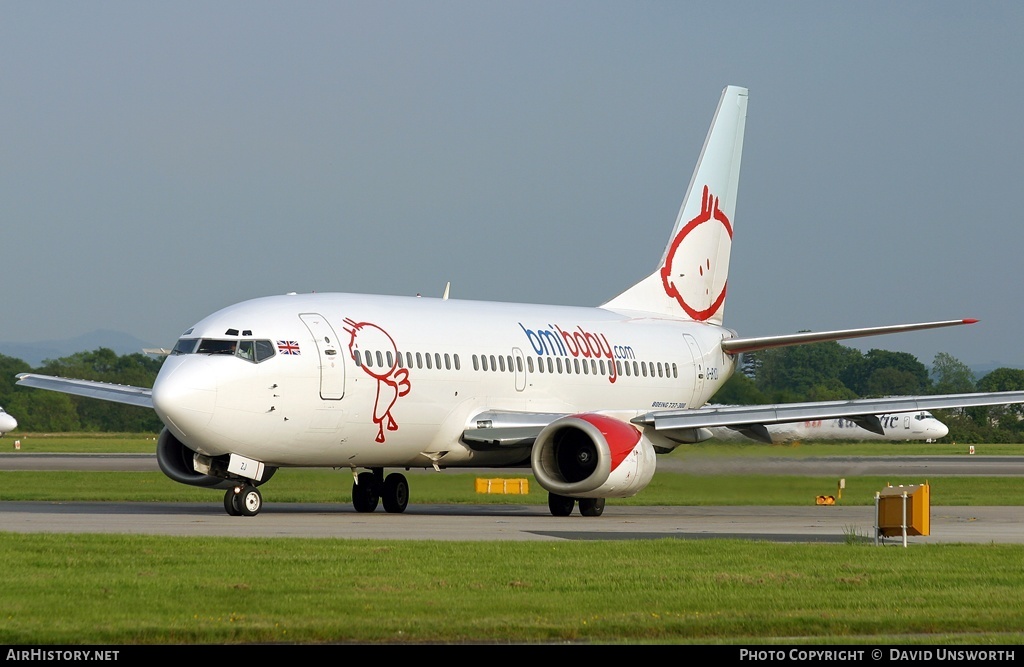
x=7, y=423
x=584, y=398
x=921, y=425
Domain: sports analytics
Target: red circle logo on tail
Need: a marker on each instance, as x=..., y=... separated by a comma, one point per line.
x=709, y=212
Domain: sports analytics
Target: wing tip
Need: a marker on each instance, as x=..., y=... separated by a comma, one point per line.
x=969, y=320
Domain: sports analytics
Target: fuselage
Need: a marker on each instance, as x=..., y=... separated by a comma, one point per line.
x=903, y=426
x=334, y=379
x=920, y=425
x=7, y=422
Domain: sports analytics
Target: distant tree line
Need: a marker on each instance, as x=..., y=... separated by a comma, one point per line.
x=833, y=372
x=42, y=411
x=818, y=372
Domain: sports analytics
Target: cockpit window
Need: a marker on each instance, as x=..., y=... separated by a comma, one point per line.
x=264, y=350
x=185, y=346
x=214, y=346
x=250, y=350
x=255, y=350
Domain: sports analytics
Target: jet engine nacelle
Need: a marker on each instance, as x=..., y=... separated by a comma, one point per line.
x=593, y=456
x=178, y=462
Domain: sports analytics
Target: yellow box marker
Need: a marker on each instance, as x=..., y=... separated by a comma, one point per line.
x=501, y=485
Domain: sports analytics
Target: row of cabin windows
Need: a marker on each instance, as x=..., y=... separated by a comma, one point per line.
x=507, y=363
x=576, y=366
x=390, y=359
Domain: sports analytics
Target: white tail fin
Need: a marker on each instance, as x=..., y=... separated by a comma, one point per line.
x=692, y=278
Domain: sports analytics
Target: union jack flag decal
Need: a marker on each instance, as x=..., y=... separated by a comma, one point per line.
x=288, y=346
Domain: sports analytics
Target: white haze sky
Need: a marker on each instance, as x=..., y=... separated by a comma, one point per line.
x=161, y=160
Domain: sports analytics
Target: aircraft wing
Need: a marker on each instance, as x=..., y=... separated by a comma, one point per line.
x=497, y=429
x=107, y=391
x=860, y=411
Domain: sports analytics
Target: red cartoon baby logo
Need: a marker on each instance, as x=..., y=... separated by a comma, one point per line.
x=392, y=381
x=688, y=273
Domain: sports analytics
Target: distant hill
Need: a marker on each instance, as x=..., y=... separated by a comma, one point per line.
x=981, y=370
x=34, y=353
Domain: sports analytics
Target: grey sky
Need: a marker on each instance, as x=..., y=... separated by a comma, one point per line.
x=161, y=160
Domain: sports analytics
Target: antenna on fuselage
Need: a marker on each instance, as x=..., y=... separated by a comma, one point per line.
x=447, y=287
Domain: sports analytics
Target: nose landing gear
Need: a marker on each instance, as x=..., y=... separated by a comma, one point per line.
x=243, y=500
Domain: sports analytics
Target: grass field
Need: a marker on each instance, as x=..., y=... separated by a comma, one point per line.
x=141, y=590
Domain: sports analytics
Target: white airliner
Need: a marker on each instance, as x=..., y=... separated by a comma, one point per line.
x=7, y=423
x=585, y=398
x=921, y=425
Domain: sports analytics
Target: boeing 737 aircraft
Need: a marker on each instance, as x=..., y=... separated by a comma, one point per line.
x=893, y=427
x=7, y=423
x=585, y=398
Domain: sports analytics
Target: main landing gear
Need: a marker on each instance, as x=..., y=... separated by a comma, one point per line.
x=369, y=488
x=243, y=500
x=563, y=505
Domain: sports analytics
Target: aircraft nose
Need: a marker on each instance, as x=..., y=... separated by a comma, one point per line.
x=7, y=423
x=185, y=394
x=940, y=430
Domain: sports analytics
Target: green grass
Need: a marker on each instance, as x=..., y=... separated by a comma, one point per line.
x=78, y=443
x=136, y=589
x=74, y=589
x=333, y=486
x=145, y=443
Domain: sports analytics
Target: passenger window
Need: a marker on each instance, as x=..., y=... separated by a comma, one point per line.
x=476, y=363
x=458, y=364
x=427, y=355
x=529, y=364
x=447, y=362
x=483, y=359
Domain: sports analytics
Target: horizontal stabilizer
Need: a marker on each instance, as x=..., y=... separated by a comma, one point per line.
x=740, y=345
x=107, y=391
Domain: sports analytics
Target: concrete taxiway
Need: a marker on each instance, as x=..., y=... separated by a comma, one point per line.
x=812, y=523
x=506, y=522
